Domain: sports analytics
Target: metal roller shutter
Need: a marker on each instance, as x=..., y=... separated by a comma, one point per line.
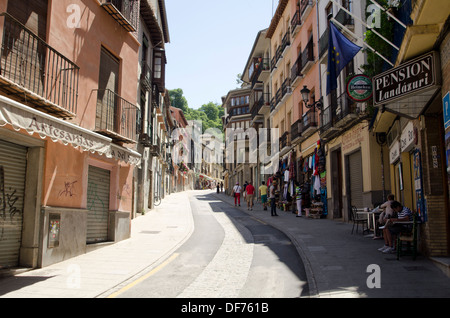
x=13, y=164
x=98, y=205
x=356, y=179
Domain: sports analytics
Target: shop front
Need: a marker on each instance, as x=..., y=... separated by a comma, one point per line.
x=416, y=140
x=62, y=187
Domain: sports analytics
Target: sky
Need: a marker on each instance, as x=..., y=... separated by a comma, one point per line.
x=210, y=42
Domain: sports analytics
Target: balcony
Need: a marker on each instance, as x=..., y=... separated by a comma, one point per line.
x=264, y=104
x=341, y=114
x=345, y=111
x=285, y=143
x=286, y=42
x=286, y=89
x=155, y=149
x=34, y=72
x=259, y=65
x=327, y=130
x=308, y=56
x=146, y=76
x=125, y=12
x=276, y=58
x=296, y=22
x=344, y=18
x=323, y=43
x=305, y=8
x=296, y=71
x=263, y=69
x=116, y=117
x=296, y=132
x=309, y=122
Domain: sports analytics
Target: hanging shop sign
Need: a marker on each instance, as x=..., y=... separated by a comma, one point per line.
x=407, y=138
x=359, y=88
x=394, y=152
x=407, y=89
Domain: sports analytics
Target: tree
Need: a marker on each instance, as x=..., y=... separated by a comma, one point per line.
x=211, y=110
x=209, y=114
x=178, y=100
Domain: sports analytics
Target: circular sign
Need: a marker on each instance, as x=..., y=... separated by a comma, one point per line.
x=359, y=88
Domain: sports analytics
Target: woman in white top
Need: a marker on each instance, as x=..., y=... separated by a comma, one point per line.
x=237, y=194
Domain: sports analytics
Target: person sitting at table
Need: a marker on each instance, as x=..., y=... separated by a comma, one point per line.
x=388, y=212
x=391, y=230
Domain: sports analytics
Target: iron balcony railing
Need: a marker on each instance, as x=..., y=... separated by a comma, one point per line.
x=344, y=18
x=323, y=42
x=286, y=40
x=309, y=119
x=284, y=140
x=297, y=129
x=345, y=106
x=296, y=20
x=116, y=117
x=308, y=53
x=146, y=75
x=296, y=70
x=304, y=5
x=125, y=12
x=261, y=64
x=30, y=67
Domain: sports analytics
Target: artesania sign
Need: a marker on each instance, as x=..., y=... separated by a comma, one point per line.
x=359, y=88
x=405, y=79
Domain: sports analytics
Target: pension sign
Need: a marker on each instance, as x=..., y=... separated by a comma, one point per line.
x=405, y=79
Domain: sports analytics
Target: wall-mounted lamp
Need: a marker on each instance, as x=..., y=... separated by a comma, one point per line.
x=305, y=96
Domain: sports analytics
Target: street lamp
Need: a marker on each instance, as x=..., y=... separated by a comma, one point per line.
x=305, y=96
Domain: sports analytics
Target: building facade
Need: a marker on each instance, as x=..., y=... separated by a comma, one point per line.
x=414, y=120
x=68, y=119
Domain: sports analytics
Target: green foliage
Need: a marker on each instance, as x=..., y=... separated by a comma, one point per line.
x=178, y=100
x=374, y=62
x=209, y=114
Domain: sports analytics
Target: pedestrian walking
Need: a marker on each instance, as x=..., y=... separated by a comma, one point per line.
x=244, y=186
x=273, y=204
x=221, y=186
x=298, y=194
x=237, y=194
x=263, y=194
x=250, y=192
x=218, y=188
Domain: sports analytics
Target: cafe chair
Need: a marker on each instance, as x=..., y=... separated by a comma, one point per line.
x=358, y=219
x=410, y=238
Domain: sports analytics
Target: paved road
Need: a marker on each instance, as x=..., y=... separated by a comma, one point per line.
x=230, y=254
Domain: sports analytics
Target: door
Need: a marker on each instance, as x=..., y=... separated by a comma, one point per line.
x=13, y=164
x=336, y=183
x=98, y=205
x=23, y=54
x=108, y=86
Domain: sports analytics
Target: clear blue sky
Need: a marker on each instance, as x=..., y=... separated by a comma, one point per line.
x=210, y=42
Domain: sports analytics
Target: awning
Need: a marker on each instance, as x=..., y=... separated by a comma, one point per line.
x=33, y=121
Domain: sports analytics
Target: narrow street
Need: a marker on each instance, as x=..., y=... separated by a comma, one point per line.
x=230, y=254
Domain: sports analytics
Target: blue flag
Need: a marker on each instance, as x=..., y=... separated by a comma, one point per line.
x=340, y=52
